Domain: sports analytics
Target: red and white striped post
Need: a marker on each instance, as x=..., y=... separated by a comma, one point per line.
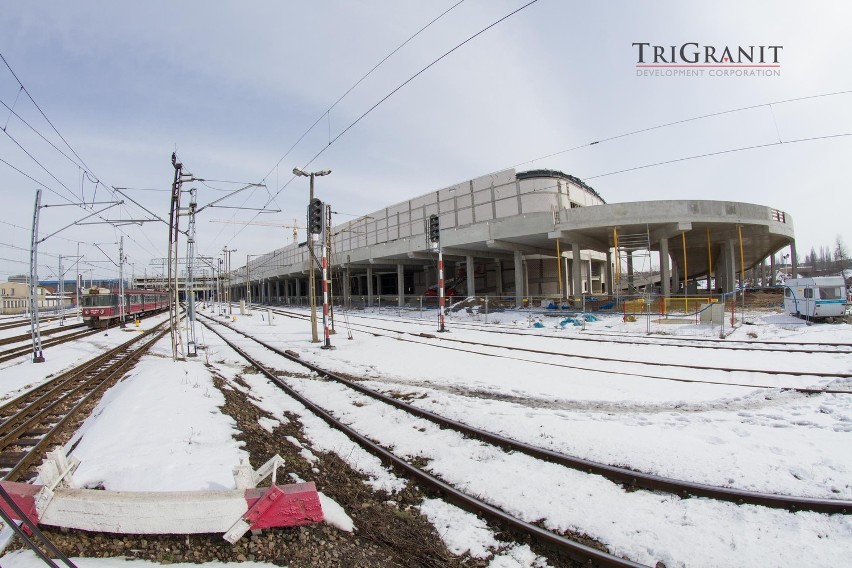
x=327, y=343
x=440, y=288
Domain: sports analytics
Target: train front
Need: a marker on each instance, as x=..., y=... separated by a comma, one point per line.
x=99, y=307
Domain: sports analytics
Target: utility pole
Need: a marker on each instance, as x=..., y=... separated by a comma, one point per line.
x=228, y=272
x=77, y=283
x=122, y=303
x=191, y=344
x=174, y=224
x=435, y=237
x=311, y=255
x=248, y=283
x=311, y=283
x=325, y=247
x=61, y=292
x=331, y=278
x=38, y=353
x=219, y=286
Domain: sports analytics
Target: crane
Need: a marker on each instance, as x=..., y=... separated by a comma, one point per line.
x=295, y=226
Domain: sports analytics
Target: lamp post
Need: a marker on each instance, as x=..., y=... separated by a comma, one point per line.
x=248, y=281
x=219, y=287
x=228, y=252
x=311, y=260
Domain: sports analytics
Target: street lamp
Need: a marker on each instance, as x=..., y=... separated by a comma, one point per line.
x=248, y=280
x=311, y=282
x=228, y=273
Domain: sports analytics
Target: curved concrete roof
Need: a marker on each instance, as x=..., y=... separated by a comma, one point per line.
x=496, y=215
x=698, y=223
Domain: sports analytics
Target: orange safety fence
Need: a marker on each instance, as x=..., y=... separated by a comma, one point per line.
x=684, y=305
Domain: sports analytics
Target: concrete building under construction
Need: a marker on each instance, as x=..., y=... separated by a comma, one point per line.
x=539, y=233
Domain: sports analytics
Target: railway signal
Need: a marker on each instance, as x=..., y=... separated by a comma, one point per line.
x=434, y=229
x=315, y=216
x=314, y=205
x=435, y=237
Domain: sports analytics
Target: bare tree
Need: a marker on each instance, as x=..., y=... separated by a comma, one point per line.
x=840, y=252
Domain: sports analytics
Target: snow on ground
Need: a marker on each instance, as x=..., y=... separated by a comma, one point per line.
x=160, y=429
x=762, y=439
x=165, y=418
x=21, y=372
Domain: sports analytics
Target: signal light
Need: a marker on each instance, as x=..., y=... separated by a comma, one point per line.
x=315, y=216
x=434, y=228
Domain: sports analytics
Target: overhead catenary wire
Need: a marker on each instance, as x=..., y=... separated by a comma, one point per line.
x=328, y=110
x=32, y=99
x=410, y=79
x=386, y=97
x=358, y=82
x=683, y=121
x=719, y=153
x=88, y=172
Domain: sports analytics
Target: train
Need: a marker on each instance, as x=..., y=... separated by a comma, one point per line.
x=101, y=305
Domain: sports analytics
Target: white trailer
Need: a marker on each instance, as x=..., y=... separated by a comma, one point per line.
x=815, y=298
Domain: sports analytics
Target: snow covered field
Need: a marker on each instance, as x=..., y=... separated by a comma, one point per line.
x=621, y=413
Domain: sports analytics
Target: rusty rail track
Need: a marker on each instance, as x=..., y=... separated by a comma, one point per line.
x=20, y=350
x=27, y=336
x=30, y=422
x=628, y=477
x=627, y=339
x=574, y=550
x=444, y=342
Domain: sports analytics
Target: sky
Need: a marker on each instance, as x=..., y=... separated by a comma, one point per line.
x=233, y=86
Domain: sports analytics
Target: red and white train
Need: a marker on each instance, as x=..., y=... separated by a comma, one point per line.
x=101, y=305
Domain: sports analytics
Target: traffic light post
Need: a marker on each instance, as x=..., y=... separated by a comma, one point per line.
x=314, y=228
x=316, y=222
x=435, y=237
x=326, y=337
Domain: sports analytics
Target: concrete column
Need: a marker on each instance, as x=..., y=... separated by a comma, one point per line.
x=519, y=279
x=566, y=271
x=589, y=275
x=732, y=266
x=471, y=280
x=608, y=272
x=762, y=273
x=400, y=284
x=772, y=270
x=794, y=261
x=576, y=270
x=369, y=285
x=499, y=272
x=631, y=288
x=665, y=283
x=676, y=277
x=298, y=289
x=347, y=287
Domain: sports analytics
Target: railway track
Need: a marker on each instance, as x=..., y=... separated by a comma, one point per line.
x=443, y=341
x=15, y=352
x=628, y=478
x=14, y=324
x=633, y=339
x=574, y=550
x=28, y=336
x=32, y=422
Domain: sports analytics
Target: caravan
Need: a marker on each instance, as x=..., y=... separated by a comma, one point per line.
x=815, y=298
